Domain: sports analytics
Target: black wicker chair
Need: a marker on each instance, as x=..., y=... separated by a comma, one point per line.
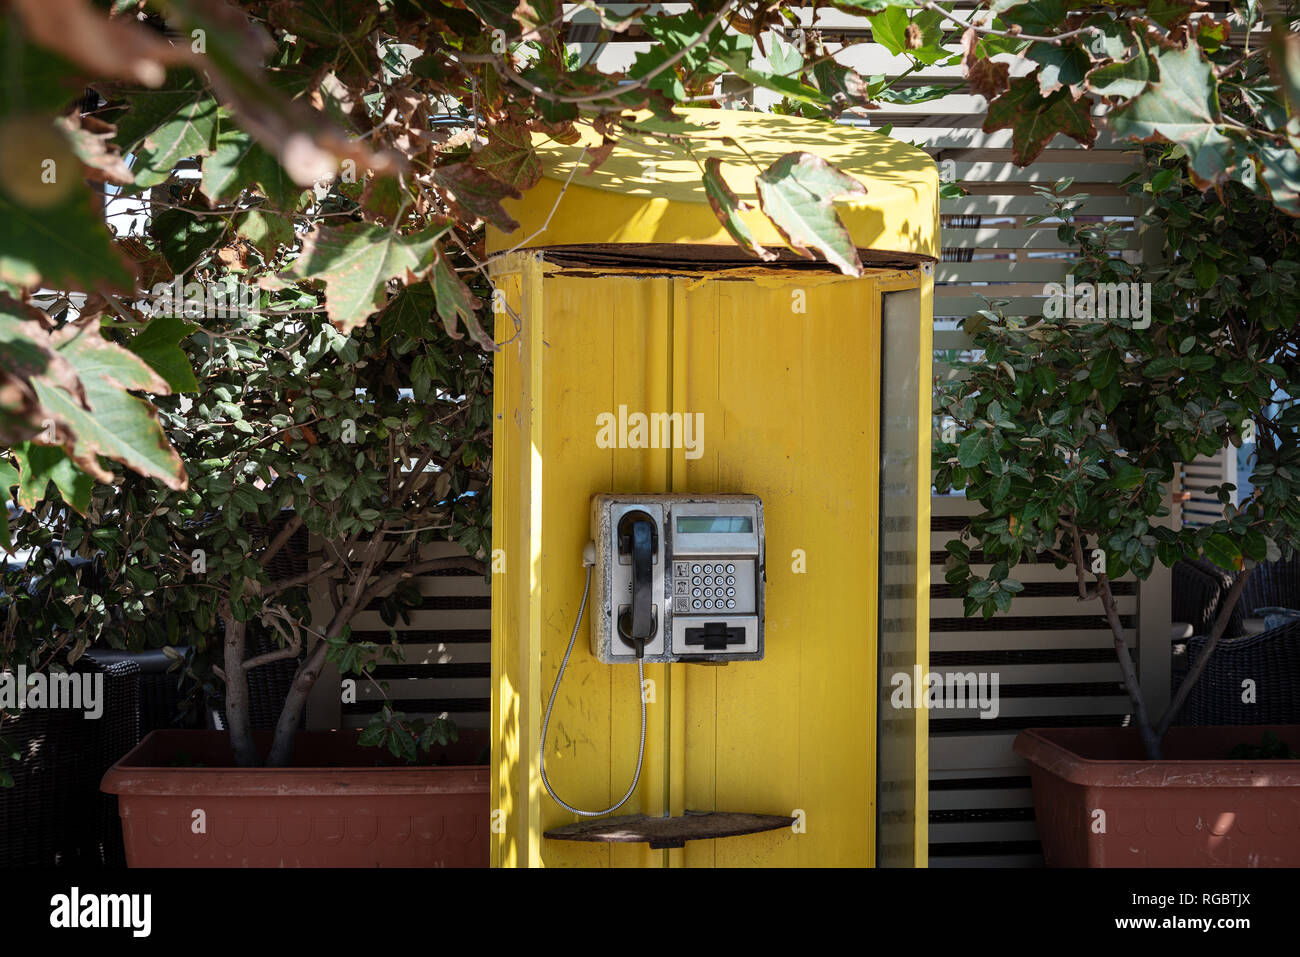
x=55, y=812
x=1199, y=587
x=1272, y=584
x=1270, y=660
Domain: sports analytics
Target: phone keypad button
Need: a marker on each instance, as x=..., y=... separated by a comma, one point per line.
x=708, y=603
x=731, y=593
x=731, y=579
x=696, y=580
x=697, y=592
x=696, y=603
x=731, y=603
x=731, y=569
x=695, y=569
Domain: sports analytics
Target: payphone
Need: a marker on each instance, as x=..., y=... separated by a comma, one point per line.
x=678, y=578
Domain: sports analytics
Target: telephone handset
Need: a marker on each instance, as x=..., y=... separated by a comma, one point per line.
x=678, y=578
x=638, y=539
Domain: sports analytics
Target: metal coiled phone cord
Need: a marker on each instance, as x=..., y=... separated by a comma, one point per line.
x=640, y=686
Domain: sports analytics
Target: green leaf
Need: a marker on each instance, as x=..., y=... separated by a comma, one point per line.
x=1181, y=107
x=238, y=163
x=1104, y=369
x=889, y=29
x=1279, y=168
x=1126, y=79
x=356, y=261
x=1040, y=17
x=914, y=94
x=38, y=465
x=184, y=239
x=1127, y=476
x=836, y=79
x=1163, y=366
x=1034, y=119
x=187, y=132
x=973, y=450
x=36, y=80
x=784, y=58
x=1167, y=13
x=65, y=247
x=332, y=24
x=1223, y=551
x=1255, y=545
x=1206, y=272
x=118, y=425
x=454, y=299
x=265, y=230
x=477, y=194
x=797, y=193
x=1059, y=66
x=727, y=206
x=159, y=345
x=787, y=87
x=1238, y=373
x=509, y=156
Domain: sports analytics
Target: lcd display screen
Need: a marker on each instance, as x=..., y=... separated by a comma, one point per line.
x=711, y=524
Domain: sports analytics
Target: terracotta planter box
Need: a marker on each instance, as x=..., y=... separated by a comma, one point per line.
x=1196, y=808
x=339, y=805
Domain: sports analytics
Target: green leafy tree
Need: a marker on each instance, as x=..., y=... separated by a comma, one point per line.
x=1067, y=430
x=376, y=442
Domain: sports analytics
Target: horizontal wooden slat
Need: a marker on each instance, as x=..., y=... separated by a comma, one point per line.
x=1001, y=270
x=992, y=831
x=1017, y=239
x=1031, y=206
x=956, y=640
x=1083, y=171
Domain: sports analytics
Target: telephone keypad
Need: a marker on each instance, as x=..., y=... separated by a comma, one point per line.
x=712, y=586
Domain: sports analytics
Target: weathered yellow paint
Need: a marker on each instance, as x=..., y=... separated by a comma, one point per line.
x=791, y=406
x=651, y=192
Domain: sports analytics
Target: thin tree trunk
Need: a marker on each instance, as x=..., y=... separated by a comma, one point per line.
x=286, y=728
x=241, y=734
x=1150, y=740
x=1194, y=673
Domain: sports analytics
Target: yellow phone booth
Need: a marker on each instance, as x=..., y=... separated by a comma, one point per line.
x=724, y=465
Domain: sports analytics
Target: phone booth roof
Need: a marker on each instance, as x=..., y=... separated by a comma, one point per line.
x=648, y=199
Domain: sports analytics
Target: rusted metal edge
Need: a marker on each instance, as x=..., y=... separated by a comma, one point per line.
x=688, y=257
x=669, y=832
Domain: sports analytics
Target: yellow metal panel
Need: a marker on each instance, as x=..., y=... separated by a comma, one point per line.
x=791, y=412
x=789, y=404
x=511, y=835
x=606, y=343
x=648, y=194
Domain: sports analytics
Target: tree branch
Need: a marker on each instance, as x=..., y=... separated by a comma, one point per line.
x=281, y=539
x=1150, y=738
x=1220, y=626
